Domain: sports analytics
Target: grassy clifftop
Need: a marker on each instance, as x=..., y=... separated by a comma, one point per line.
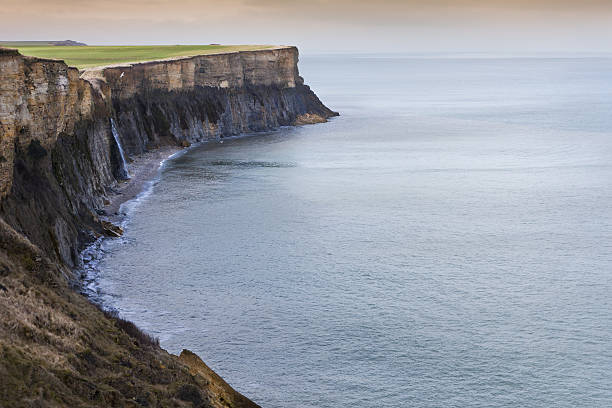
x=94, y=56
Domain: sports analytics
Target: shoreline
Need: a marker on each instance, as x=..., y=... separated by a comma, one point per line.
x=142, y=169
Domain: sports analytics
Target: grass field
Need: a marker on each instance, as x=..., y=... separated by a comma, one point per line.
x=94, y=56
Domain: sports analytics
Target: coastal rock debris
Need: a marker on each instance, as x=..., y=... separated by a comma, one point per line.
x=111, y=229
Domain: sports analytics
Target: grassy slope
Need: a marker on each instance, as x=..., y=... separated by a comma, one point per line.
x=93, y=56
x=59, y=350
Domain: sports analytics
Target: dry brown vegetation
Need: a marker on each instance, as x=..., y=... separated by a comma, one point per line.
x=58, y=349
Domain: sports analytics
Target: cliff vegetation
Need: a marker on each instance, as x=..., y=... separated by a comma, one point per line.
x=93, y=56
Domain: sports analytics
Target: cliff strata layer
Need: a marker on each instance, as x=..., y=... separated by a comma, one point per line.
x=193, y=99
x=59, y=161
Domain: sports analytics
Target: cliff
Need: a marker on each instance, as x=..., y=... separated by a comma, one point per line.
x=212, y=96
x=59, y=161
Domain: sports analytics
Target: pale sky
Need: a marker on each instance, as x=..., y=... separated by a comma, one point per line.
x=321, y=25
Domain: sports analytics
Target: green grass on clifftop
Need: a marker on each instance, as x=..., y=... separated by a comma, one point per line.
x=94, y=56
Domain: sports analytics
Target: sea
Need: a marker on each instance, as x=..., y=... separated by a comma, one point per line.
x=445, y=242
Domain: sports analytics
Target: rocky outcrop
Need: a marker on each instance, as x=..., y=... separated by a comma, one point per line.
x=56, y=153
x=193, y=99
x=58, y=163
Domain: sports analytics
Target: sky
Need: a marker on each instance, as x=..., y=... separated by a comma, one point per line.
x=321, y=26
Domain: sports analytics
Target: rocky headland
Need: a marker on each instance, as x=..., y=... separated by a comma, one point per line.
x=65, y=138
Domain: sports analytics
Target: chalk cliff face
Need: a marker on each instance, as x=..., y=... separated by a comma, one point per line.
x=58, y=160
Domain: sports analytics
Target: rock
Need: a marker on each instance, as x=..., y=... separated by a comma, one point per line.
x=309, y=119
x=216, y=384
x=111, y=229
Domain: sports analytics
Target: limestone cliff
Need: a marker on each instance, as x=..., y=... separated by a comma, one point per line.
x=212, y=96
x=58, y=160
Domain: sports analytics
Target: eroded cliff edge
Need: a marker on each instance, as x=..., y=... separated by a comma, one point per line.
x=59, y=162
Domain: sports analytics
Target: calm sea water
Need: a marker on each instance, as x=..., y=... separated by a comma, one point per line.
x=446, y=242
